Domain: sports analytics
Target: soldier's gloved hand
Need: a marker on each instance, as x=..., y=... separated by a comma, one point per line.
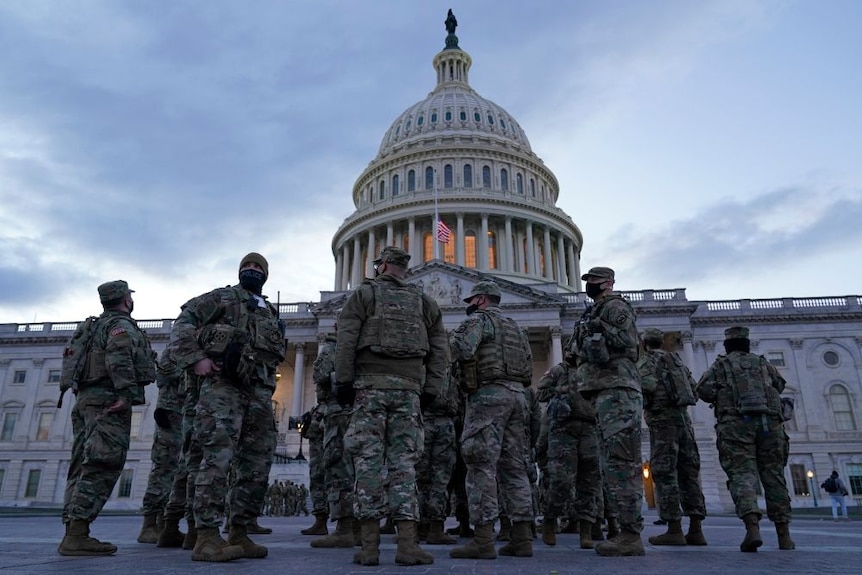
x=161, y=417
x=345, y=394
x=426, y=399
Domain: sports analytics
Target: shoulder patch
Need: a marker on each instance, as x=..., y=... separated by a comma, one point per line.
x=117, y=331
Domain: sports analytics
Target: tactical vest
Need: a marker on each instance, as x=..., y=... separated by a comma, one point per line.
x=396, y=328
x=593, y=346
x=675, y=383
x=506, y=356
x=748, y=381
x=96, y=369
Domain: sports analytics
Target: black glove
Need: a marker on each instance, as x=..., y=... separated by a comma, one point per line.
x=161, y=417
x=345, y=393
x=426, y=399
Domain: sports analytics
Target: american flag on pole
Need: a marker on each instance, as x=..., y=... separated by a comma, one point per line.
x=444, y=234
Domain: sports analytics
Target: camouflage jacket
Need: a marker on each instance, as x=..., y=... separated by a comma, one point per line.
x=129, y=360
x=323, y=368
x=171, y=382
x=559, y=381
x=657, y=406
x=368, y=369
x=716, y=388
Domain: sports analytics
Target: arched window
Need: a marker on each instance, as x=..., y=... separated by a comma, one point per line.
x=382, y=190
x=448, y=115
x=492, y=250
x=427, y=247
x=470, y=252
x=429, y=178
x=486, y=177
x=433, y=117
x=532, y=187
x=842, y=408
x=520, y=183
x=477, y=117
x=449, y=249
x=396, y=188
x=420, y=120
x=462, y=116
x=504, y=180
x=447, y=176
x=411, y=181
x=468, y=176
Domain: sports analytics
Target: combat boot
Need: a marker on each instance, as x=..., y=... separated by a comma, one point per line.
x=319, y=526
x=549, y=531
x=255, y=529
x=388, y=527
x=369, y=530
x=752, y=534
x=171, y=536
x=521, y=541
x=250, y=550
x=695, y=531
x=626, y=544
x=150, y=529
x=585, y=531
x=673, y=535
x=342, y=537
x=784, y=541
x=408, y=552
x=480, y=547
x=77, y=541
x=613, y=527
x=505, y=533
x=596, y=531
x=211, y=547
x=191, y=537
x=436, y=535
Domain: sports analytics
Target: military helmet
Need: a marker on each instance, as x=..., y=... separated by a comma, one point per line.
x=484, y=287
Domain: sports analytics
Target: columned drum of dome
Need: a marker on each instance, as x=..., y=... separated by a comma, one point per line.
x=467, y=160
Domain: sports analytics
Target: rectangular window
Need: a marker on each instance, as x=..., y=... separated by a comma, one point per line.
x=854, y=478
x=43, y=431
x=33, y=478
x=54, y=376
x=125, y=483
x=9, y=421
x=799, y=479
x=20, y=376
x=776, y=358
x=137, y=418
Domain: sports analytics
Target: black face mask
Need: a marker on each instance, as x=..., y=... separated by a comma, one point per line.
x=471, y=309
x=252, y=280
x=594, y=290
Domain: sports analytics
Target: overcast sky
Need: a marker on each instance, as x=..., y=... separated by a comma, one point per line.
x=712, y=145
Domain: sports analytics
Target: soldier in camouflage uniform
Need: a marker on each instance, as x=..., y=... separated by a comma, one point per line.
x=434, y=470
x=744, y=391
x=166, y=451
x=496, y=361
x=312, y=430
x=573, y=454
x=119, y=364
x=232, y=338
x=605, y=349
x=391, y=360
x=674, y=457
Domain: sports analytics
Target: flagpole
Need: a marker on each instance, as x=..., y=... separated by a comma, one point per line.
x=436, y=220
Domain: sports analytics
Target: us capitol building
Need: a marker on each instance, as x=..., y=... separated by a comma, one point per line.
x=463, y=159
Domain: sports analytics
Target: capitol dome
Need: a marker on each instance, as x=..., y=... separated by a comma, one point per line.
x=458, y=167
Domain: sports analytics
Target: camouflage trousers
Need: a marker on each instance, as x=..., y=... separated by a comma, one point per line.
x=434, y=470
x=675, y=466
x=619, y=413
x=236, y=430
x=573, y=464
x=317, y=469
x=181, y=500
x=494, y=447
x=99, y=446
x=385, y=428
x=166, y=457
x=542, y=460
x=338, y=474
x=750, y=453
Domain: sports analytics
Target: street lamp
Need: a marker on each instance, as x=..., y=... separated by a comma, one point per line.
x=813, y=491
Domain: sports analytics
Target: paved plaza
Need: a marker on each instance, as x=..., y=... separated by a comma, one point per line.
x=28, y=546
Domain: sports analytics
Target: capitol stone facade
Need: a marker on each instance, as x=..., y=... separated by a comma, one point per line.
x=464, y=158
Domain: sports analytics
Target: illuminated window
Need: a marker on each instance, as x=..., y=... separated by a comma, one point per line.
x=449, y=250
x=43, y=430
x=541, y=258
x=470, y=250
x=492, y=250
x=427, y=247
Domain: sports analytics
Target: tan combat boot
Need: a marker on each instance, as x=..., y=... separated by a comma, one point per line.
x=480, y=547
x=319, y=526
x=785, y=543
x=752, y=540
x=521, y=542
x=211, y=547
x=369, y=530
x=408, y=552
x=77, y=541
x=191, y=537
x=626, y=544
x=585, y=531
x=436, y=536
x=342, y=537
x=549, y=531
x=505, y=533
x=673, y=535
x=250, y=550
x=695, y=531
x=150, y=529
x=171, y=536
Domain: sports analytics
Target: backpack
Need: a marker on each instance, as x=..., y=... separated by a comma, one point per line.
x=677, y=380
x=830, y=485
x=74, y=366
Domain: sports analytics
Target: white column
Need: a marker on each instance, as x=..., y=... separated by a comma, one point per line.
x=356, y=266
x=372, y=254
x=510, y=252
x=556, y=345
x=562, y=278
x=531, y=250
x=460, y=242
x=546, y=245
x=574, y=276
x=298, y=380
x=338, y=271
x=345, y=263
x=483, y=244
x=521, y=254
x=390, y=234
x=411, y=235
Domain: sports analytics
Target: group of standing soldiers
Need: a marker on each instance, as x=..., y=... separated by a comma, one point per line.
x=286, y=498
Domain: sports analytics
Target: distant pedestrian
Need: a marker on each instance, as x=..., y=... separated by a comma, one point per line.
x=836, y=490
